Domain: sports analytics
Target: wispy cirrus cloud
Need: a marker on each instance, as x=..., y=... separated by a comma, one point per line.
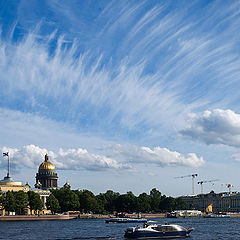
x=214, y=127
x=79, y=75
x=142, y=74
x=65, y=87
x=127, y=69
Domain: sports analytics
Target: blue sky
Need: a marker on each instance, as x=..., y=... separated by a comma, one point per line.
x=123, y=95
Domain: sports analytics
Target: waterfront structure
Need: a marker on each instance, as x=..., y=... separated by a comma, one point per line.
x=8, y=184
x=44, y=194
x=217, y=202
x=185, y=213
x=46, y=178
x=67, y=185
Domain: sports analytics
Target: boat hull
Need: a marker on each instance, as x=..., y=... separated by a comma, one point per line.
x=157, y=235
x=217, y=216
x=126, y=220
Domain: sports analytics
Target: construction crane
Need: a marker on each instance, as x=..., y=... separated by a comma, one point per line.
x=229, y=186
x=193, y=176
x=206, y=181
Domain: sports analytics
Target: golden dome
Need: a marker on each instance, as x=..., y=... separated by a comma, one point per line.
x=46, y=165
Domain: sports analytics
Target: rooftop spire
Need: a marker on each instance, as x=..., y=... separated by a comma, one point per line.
x=7, y=155
x=46, y=157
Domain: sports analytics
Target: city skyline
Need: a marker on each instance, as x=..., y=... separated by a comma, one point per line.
x=123, y=95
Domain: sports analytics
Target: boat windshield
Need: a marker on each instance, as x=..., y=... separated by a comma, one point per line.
x=168, y=228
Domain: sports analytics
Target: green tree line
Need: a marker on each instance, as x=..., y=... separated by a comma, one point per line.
x=85, y=201
x=64, y=199
x=19, y=201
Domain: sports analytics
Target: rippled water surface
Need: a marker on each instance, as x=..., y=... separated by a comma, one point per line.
x=205, y=229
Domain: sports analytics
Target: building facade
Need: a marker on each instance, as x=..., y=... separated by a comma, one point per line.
x=8, y=184
x=46, y=179
x=219, y=202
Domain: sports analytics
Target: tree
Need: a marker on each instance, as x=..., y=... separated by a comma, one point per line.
x=180, y=204
x=9, y=202
x=167, y=204
x=111, y=198
x=21, y=201
x=53, y=204
x=68, y=199
x=1, y=198
x=102, y=202
x=127, y=202
x=35, y=203
x=88, y=201
x=155, y=196
x=144, y=203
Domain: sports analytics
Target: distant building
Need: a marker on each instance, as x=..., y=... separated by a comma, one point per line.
x=46, y=178
x=219, y=202
x=44, y=194
x=8, y=184
x=67, y=185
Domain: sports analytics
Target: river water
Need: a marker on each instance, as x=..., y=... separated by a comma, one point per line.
x=90, y=229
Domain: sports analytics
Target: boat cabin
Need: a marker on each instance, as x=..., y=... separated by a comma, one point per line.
x=168, y=228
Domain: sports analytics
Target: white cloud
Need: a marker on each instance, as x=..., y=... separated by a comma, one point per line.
x=79, y=90
x=63, y=85
x=236, y=156
x=81, y=158
x=44, y=132
x=118, y=157
x=162, y=157
x=214, y=127
x=31, y=156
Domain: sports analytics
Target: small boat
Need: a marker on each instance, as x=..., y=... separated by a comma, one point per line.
x=217, y=216
x=125, y=220
x=184, y=214
x=157, y=231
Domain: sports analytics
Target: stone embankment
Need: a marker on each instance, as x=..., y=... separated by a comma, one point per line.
x=89, y=216
x=234, y=215
x=144, y=215
x=148, y=215
x=35, y=217
x=71, y=216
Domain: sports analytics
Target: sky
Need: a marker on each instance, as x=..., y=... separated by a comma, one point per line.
x=122, y=95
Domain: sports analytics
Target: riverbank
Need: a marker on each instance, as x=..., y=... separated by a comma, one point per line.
x=72, y=216
x=85, y=216
x=143, y=215
x=128, y=215
x=35, y=217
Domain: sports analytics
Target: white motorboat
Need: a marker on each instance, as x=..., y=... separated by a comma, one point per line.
x=157, y=231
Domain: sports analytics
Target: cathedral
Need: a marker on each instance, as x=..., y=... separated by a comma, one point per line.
x=46, y=178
